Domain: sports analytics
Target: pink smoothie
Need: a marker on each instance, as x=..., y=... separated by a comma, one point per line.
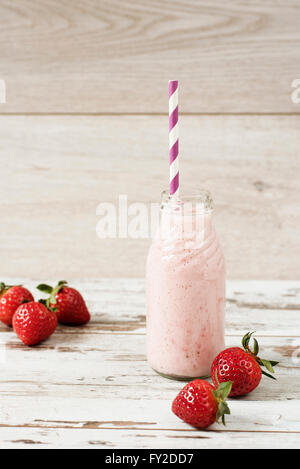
x=185, y=296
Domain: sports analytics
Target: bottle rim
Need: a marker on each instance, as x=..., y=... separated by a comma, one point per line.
x=198, y=201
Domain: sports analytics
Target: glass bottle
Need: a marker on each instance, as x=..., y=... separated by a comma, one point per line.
x=185, y=287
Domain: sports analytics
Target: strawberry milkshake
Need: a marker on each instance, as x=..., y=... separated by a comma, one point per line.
x=185, y=283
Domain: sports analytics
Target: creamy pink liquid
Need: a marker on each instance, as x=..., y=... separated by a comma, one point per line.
x=185, y=298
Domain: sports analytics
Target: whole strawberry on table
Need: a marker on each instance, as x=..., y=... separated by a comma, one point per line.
x=67, y=302
x=11, y=297
x=200, y=404
x=242, y=366
x=33, y=322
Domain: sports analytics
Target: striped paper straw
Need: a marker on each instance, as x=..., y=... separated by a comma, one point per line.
x=173, y=137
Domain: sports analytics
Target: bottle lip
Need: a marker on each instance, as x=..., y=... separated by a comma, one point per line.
x=196, y=201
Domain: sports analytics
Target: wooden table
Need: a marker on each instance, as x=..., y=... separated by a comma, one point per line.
x=92, y=387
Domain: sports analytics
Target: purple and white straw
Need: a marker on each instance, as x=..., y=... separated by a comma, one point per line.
x=173, y=137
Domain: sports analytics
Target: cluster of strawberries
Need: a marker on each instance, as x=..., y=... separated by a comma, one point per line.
x=235, y=372
x=34, y=321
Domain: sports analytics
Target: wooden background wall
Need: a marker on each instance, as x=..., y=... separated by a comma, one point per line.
x=85, y=120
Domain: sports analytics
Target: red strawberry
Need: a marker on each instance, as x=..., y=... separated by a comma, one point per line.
x=33, y=322
x=67, y=302
x=11, y=297
x=242, y=367
x=200, y=404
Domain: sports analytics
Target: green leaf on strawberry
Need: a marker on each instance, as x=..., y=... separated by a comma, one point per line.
x=45, y=288
x=221, y=394
x=268, y=364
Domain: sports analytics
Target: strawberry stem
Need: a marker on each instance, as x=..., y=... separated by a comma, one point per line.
x=52, y=292
x=4, y=287
x=268, y=364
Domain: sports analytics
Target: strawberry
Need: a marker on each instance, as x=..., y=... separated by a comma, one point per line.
x=241, y=366
x=33, y=322
x=10, y=298
x=67, y=302
x=200, y=404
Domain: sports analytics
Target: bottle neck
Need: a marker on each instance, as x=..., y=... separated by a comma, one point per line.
x=187, y=204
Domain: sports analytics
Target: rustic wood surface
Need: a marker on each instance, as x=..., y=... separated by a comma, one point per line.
x=57, y=169
x=92, y=387
x=93, y=56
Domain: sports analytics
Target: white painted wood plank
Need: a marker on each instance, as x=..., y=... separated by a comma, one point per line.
x=119, y=306
x=274, y=294
x=116, y=422
x=152, y=414
x=97, y=366
x=110, y=439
